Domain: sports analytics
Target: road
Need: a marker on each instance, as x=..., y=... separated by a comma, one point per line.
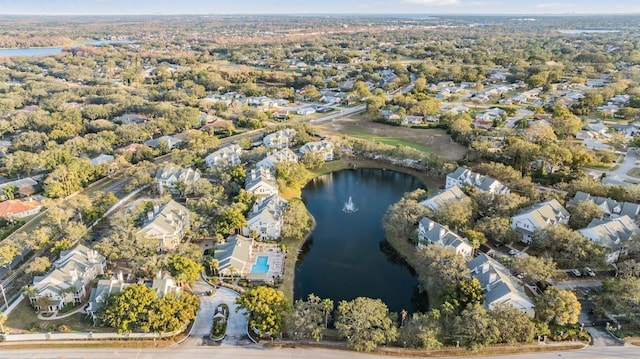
x=342, y=113
x=621, y=172
x=258, y=352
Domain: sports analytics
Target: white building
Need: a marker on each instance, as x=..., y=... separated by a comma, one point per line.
x=67, y=282
x=462, y=177
x=430, y=232
x=325, y=148
x=539, y=217
x=612, y=233
x=168, y=223
x=450, y=194
x=279, y=139
x=266, y=218
x=261, y=182
x=498, y=286
x=225, y=156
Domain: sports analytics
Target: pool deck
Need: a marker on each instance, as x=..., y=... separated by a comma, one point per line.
x=275, y=262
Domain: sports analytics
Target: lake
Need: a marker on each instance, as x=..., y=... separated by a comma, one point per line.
x=347, y=255
x=46, y=51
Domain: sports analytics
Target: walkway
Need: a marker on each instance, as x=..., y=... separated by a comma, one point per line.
x=55, y=315
x=236, y=326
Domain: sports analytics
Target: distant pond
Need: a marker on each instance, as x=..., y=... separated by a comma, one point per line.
x=347, y=255
x=46, y=51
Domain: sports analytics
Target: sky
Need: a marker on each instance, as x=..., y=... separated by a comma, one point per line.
x=169, y=7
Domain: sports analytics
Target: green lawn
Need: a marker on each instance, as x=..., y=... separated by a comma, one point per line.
x=357, y=133
x=24, y=319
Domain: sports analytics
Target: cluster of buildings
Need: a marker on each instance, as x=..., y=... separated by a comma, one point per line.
x=613, y=231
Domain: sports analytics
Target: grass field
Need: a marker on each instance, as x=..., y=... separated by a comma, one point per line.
x=24, y=319
x=430, y=140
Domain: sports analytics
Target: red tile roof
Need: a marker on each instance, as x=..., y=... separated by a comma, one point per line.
x=16, y=206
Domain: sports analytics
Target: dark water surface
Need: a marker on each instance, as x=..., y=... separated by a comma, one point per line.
x=347, y=255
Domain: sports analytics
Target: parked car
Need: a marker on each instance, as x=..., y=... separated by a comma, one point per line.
x=587, y=271
x=576, y=272
x=513, y=252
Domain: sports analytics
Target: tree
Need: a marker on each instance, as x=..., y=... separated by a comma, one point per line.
x=557, y=306
x=438, y=268
x=513, y=325
x=455, y=214
x=467, y=291
x=7, y=253
x=536, y=268
x=184, y=270
x=3, y=319
x=422, y=330
x=305, y=321
x=327, y=308
x=474, y=328
x=297, y=222
x=582, y=214
x=619, y=296
x=365, y=322
x=38, y=266
x=568, y=248
x=312, y=159
x=402, y=217
x=129, y=310
x=265, y=309
x=564, y=122
x=497, y=229
x=172, y=313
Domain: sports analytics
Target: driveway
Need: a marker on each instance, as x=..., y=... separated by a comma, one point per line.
x=620, y=173
x=236, y=327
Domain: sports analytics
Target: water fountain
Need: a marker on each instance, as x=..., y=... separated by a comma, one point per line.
x=349, y=207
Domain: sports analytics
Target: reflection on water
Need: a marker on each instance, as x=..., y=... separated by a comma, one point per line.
x=347, y=255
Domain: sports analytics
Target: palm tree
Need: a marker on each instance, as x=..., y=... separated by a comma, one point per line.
x=327, y=307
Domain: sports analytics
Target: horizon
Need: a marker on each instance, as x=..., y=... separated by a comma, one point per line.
x=327, y=7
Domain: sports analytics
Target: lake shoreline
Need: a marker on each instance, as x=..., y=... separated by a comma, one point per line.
x=294, y=248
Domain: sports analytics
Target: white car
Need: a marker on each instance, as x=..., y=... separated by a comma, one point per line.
x=514, y=252
x=576, y=272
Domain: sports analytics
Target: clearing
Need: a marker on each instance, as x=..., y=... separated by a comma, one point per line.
x=432, y=140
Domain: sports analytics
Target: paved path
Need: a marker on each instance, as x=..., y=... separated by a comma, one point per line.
x=621, y=172
x=256, y=352
x=236, y=327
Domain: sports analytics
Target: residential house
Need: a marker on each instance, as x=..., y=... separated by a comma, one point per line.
x=611, y=233
x=102, y=159
x=26, y=186
x=539, y=217
x=171, y=142
x=261, y=182
x=450, y=194
x=225, y=156
x=324, y=147
x=498, y=286
x=169, y=176
x=15, y=208
x=430, y=232
x=234, y=255
x=416, y=120
x=103, y=290
x=266, y=218
x=304, y=111
x=610, y=207
x=272, y=159
x=162, y=284
x=168, y=223
x=462, y=177
x=279, y=139
x=596, y=145
x=67, y=282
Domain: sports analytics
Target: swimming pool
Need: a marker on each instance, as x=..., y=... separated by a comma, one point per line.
x=261, y=265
